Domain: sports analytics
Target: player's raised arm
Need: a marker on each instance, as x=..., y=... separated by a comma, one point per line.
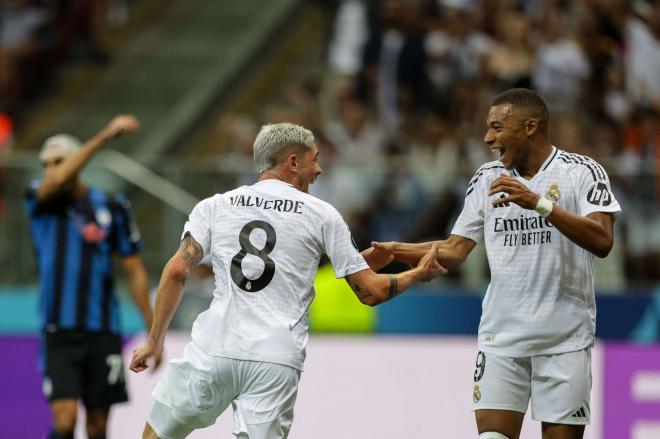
x=451, y=251
x=373, y=288
x=63, y=159
x=170, y=290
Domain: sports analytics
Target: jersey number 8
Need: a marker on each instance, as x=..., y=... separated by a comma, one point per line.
x=254, y=285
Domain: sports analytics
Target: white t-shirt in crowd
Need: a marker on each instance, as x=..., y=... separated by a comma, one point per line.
x=540, y=300
x=265, y=243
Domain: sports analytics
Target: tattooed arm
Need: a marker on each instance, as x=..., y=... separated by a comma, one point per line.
x=373, y=288
x=170, y=290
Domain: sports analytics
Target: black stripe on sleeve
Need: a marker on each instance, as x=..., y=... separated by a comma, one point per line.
x=105, y=306
x=60, y=261
x=567, y=159
x=480, y=172
x=590, y=164
x=83, y=285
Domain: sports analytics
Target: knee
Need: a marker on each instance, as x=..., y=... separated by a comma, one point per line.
x=64, y=421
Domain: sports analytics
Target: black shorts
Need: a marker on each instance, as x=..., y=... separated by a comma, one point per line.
x=84, y=365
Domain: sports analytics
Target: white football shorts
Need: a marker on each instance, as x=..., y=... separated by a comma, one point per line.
x=558, y=385
x=196, y=389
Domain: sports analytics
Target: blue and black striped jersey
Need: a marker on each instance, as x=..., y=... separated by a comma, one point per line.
x=75, y=240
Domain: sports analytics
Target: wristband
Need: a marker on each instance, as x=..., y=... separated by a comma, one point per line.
x=543, y=207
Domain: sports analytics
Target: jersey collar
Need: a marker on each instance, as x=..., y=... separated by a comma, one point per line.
x=546, y=163
x=274, y=181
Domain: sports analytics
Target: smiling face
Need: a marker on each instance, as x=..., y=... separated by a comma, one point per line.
x=308, y=167
x=508, y=133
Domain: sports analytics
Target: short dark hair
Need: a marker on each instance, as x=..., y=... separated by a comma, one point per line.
x=524, y=98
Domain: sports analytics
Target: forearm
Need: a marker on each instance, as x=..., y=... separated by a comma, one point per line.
x=73, y=165
x=585, y=232
x=168, y=297
x=451, y=252
x=410, y=253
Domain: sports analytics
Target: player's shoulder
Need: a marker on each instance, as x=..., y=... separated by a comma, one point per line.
x=318, y=204
x=495, y=167
x=484, y=172
x=578, y=165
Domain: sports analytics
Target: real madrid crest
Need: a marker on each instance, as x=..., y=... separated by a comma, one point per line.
x=553, y=193
x=476, y=393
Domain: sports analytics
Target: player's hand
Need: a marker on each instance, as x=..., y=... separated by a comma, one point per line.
x=142, y=354
x=428, y=266
x=516, y=192
x=120, y=125
x=379, y=254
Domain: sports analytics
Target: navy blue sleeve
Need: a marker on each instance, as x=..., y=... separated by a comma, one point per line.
x=127, y=235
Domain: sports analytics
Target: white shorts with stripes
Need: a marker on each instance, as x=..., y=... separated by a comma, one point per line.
x=558, y=386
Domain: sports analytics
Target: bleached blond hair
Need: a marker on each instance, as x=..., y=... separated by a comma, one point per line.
x=274, y=138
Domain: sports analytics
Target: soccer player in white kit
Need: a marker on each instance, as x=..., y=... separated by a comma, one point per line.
x=542, y=213
x=265, y=242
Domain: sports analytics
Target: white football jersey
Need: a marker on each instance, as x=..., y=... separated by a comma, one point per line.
x=541, y=295
x=265, y=243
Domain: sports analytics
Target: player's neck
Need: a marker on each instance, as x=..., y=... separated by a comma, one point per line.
x=274, y=174
x=537, y=157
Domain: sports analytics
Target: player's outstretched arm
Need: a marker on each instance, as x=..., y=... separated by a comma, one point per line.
x=451, y=251
x=71, y=166
x=170, y=290
x=373, y=288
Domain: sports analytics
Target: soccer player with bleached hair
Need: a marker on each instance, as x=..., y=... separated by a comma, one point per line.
x=542, y=213
x=265, y=242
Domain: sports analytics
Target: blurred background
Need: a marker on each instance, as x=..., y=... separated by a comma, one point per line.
x=396, y=93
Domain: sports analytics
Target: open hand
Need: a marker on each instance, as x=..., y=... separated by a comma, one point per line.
x=429, y=266
x=379, y=255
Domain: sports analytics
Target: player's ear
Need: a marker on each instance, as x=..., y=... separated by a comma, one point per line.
x=292, y=162
x=531, y=126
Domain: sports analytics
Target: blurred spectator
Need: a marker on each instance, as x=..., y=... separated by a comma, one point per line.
x=511, y=60
x=394, y=60
x=22, y=23
x=348, y=38
x=456, y=49
x=561, y=67
x=640, y=166
x=643, y=55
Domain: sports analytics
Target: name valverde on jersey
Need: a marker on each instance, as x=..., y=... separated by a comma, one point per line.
x=265, y=242
x=540, y=300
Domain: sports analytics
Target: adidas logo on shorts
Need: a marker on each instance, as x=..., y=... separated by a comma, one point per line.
x=579, y=414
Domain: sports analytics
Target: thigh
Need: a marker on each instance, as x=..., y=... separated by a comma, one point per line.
x=264, y=408
x=64, y=354
x=501, y=392
x=105, y=381
x=194, y=391
x=501, y=383
x=561, y=387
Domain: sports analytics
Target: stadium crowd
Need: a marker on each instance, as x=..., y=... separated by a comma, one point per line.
x=399, y=106
x=38, y=38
